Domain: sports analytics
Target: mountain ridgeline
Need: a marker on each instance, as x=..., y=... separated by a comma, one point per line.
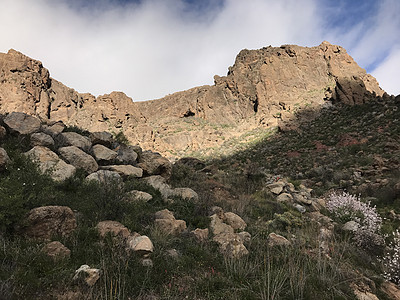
x=264, y=88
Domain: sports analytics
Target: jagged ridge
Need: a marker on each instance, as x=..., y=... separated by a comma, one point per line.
x=263, y=87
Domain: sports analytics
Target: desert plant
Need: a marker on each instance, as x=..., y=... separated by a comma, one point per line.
x=391, y=261
x=346, y=207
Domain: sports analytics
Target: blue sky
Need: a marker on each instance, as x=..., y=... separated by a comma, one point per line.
x=150, y=48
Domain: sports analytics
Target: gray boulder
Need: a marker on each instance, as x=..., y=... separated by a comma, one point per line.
x=79, y=158
x=21, y=123
x=41, y=139
x=66, y=139
x=49, y=161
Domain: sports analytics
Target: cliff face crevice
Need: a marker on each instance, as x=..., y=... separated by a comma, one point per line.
x=262, y=88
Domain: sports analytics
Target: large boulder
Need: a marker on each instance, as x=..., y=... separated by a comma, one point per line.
x=159, y=183
x=235, y=221
x=140, y=244
x=125, y=170
x=49, y=161
x=134, y=196
x=41, y=139
x=56, y=251
x=154, y=164
x=103, y=138
x=277, y=240
x=166, y=222
x=89, y=275
x=4, y=158
x=79, y=158
x=127, y=154
x=217, y=226
x=185, y=194
x=54, y=129
x=114, y=228
x=3, y=132
x=21, y=123
x=104, y=177
x=47, y=221
x=201, y=235
x=65, y=139
x=103, y=155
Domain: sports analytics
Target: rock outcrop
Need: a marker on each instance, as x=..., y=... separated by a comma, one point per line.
x=262, y=89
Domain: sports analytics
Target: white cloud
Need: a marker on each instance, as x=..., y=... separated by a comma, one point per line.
x=388, y=73
x=151, y=49
x=158, y=47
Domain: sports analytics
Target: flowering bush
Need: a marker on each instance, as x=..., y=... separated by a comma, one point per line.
x=391, y=261
x=346, y=207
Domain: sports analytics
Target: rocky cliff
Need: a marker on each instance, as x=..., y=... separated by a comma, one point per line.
x=263, y=88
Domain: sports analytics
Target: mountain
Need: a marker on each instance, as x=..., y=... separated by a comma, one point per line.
x=263, y=89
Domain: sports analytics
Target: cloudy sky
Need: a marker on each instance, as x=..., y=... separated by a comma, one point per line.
x=150, y=48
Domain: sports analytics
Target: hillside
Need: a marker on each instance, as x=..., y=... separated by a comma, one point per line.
x=262, y=89
x=295, y=196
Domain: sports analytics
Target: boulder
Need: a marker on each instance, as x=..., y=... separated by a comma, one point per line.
x=21, y=123
x=127, y=154
x=299, y=208
x=49, y=161
x=3, y=132
x=218, y=211
x=103, y=155
x=235, y=221
x=66, y=139
x=4, y=159
x=141, y=245
x=88, y=274
x=104, y=177
x=185, y=194
x=54, y=129
x=277, y=240
x=159, y=183
x=41, y=139
x=276, y=187
x=135, y=195
x=79, y=158
x=284, y=198
x=125, y=170
x=103, y=138
x=47, y=221
x=217, y=226
x=244, y=236
x=235, y=248
x=56, y=251
x=166, y=222
x=154, y=164
x=231, y=245
x=301, y=199
x=115, y=228
x=201, y=235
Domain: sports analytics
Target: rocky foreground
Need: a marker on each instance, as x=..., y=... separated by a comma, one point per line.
x=161, y=226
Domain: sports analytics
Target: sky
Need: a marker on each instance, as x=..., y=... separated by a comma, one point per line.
x=151, y=48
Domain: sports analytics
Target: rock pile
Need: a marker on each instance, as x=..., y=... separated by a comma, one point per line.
x=60, y=153
x=228, y=232
x=300, y=198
